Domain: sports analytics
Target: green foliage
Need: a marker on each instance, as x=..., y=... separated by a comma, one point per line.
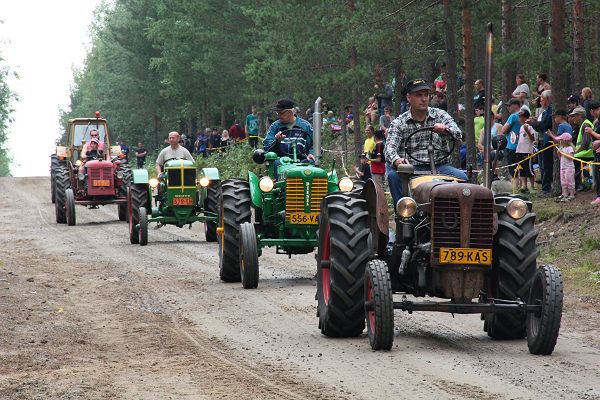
x=6, y=99
x=590, y=244
x=235, y=162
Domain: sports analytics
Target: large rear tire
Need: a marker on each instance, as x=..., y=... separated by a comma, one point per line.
x=211, y=204
x=248, y=256
x=542, y=328
x=61, y=183
x=342, y=256
x=514, y=267
x=234, y=210
x=70, y=207
x=379, y=305
x=143, y=230
x=137, y=197
x=53, y=165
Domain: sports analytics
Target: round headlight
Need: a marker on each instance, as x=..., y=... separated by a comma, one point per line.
x=79, y=163
x=266, y=184
x=346, y=184
x=120, y=175
x=406, y=207
x=80, y=176
x=204, y=181
x=153, y=182
x=516, y=208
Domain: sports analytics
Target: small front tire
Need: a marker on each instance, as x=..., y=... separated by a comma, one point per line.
x=379, y=305
x=248, y=256
x=143, y=230
x=70, y=206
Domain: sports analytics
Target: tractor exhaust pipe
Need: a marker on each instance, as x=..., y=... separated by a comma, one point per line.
x=487, y=132
x=317, y=126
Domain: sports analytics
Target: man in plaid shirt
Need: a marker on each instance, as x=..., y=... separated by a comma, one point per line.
x=418, y=116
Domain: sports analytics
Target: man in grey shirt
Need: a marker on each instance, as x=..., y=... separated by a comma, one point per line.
x=173, y=151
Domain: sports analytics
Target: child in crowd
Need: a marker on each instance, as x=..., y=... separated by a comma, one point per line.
x=527, y=137
x=567, y=167
x=378, y=159
x=363, y=171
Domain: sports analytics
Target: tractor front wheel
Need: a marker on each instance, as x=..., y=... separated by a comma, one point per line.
x=211, y=204
x=379, y=305
x=70, y=206
x=342, y=256
x=542, y=328
x=137, y=197
x=248, y=256
x=234, y=210
x=123, y=215
x=143, y=230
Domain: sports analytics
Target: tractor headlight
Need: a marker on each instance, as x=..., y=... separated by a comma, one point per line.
x=406, y=207
x=346, y=184
x=153, y=182
x=204, y=181
x=78, y=163
x=266, y=184
x=516, y=208
x=80, y=176
x=119, y=174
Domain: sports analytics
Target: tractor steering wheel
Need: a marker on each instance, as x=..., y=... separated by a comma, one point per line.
x=436, y=140
x=291, y=143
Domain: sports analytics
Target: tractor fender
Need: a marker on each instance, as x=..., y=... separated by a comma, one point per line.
x=255, y=194
x=211, y=173
x=139, y=176
x=377, y=207
x=332, y=181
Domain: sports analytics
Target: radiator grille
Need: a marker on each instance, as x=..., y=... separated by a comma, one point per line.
x=482, y=224
x=101, y=173
x=295, y=200
x=446, y=224
x=189, y=177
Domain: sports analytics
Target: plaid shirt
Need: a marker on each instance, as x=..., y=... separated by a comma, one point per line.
x=404, y=125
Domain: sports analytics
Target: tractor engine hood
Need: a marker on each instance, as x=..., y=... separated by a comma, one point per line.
x=98, y=164
x=303, y=171
x=427, y=191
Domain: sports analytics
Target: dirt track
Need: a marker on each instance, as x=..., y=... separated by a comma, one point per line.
x=86, y=315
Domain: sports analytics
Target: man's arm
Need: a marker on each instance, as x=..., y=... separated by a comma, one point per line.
x=546, y=122
x=451, y=125
x=270, y=142
x=394, y=140
x=160, y=161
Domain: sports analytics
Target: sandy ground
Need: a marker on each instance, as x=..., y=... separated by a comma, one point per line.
x=86, y=315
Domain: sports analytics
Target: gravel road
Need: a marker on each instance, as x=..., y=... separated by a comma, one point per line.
x=86, y=315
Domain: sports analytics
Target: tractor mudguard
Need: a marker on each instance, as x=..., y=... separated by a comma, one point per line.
x=140, y=176
x=210, y=173
x=255, y=194
x=377, y=207
x=332, y=181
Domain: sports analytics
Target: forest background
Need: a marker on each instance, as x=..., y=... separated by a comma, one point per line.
x=156, y=65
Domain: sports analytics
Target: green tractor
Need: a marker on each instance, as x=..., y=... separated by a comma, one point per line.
x=279, y=209
x=181, y=197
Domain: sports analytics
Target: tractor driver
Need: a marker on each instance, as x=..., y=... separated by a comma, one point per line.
x=94, y=135
x=93, y=153
x=174, y=151
x=300, y=132
x=418, y=116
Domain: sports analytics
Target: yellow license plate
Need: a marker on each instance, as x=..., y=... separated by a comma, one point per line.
x=182, y=201
x=465, y=256
x=100, y=182
x=303, y=219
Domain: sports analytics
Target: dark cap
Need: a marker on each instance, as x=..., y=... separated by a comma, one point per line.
x=417, y=84
x=561, y=112
x=573, y=99
x=593, y=104
x=524, y=113
x=283, y=104
x=362, y=155
x=513, y=102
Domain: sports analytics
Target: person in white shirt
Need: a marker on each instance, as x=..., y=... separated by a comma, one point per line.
x=173, y=151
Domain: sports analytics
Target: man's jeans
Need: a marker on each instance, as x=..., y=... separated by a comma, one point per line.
x=396, y=185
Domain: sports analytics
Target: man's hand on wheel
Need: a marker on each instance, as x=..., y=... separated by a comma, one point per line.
x=440, y=128
x=279, y=136
x=310, y=157
x=400, y=161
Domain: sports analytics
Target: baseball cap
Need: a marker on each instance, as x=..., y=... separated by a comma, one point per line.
x=573, y=99
x=564, y=136
x=283, y=104
x=525, y=113
x=578, y=111
x=593, y=104
x=417, y=84
x=561, y=112
x=362, y=155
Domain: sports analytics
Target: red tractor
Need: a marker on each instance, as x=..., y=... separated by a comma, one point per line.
x=88, y=171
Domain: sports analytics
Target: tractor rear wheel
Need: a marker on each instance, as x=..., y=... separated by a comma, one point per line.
x=342, y=256
x=211, y=204
x=514, y=267
x=248, y=256
x=379, y=305
x=143, y=230
x=234, y=210
x=61, y=184
x=53, y=165
x=70, y=206
x=137, y=197
x=542, y=328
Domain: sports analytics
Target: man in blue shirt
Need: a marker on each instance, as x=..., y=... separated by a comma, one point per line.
x=511, y=131
x=297, y=131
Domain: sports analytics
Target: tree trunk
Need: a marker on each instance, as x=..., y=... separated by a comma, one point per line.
x=558, y=72
x=468, y=65
x=355, y=94
x=509, y=71
x=451, y=91
x=578, y=47
x=398, y=74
